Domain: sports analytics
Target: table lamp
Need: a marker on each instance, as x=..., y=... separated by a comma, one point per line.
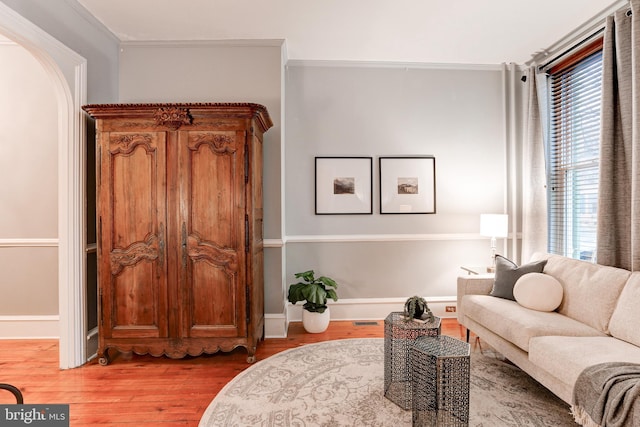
x=494, y=225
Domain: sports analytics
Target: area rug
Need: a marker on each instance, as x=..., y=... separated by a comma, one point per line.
x=340, y=383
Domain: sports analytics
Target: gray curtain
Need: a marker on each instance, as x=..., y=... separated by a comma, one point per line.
x=619, y=192
x=534, y=195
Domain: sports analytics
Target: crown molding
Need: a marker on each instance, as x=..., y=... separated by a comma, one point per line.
x=389, y=64
x=206, y=43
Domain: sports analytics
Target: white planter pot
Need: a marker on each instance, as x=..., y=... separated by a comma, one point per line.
x=315, y=322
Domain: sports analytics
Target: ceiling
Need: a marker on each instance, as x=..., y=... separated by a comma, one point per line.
x=424, y=31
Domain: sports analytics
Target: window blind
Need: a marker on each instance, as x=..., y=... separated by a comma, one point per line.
x=573, y=156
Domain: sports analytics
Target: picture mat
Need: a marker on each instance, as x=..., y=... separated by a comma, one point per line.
x=393, y=170
x=328, y=169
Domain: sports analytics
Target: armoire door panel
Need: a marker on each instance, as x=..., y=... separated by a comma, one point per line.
x=136, y=313
x=212, y=170
x=213, y=167
x=133, y=235
x=213, y=291
x=137, y=164
x=213, y=298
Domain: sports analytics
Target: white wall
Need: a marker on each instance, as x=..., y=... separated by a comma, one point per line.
x=28, y=186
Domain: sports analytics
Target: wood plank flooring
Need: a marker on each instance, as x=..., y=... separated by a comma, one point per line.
x=144, y=390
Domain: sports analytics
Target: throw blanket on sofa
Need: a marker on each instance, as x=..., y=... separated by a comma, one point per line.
x=608, y=395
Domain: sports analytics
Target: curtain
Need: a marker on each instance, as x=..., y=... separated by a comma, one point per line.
x=618, y=229
x=534, y=195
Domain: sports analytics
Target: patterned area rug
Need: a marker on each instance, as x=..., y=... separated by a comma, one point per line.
x=340, y=383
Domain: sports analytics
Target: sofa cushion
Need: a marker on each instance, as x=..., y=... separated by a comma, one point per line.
x=590, y=290
x=626, y=316
x=518, y=324
x=538, y=291
x=566, y=357
x=508, y=273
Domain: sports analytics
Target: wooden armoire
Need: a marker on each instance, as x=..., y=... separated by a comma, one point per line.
x=179, y=222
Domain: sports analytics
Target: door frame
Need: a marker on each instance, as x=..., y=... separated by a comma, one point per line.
x=68, y=73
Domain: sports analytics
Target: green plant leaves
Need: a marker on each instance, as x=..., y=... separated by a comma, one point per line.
x=327, y=281
x=307, y=276
x=314, y=291
x=315, y=294
x=295, y=293
x=332, y=294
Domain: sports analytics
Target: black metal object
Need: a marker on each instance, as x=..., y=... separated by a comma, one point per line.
x=399, y=336
x=16, y=392
x=441, y=371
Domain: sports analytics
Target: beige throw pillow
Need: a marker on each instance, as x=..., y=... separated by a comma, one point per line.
x=538, y=291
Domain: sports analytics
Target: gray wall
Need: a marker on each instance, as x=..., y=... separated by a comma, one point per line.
x=71, y=24
x=455, y=114
x=333, y=109
x=219, y=72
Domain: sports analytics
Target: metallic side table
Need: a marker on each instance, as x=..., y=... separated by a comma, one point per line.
x=441, y=370
x=399, y=336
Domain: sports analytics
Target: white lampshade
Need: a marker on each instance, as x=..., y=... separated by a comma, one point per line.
x=494, y=225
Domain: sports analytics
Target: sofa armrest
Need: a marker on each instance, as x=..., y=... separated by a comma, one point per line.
x=472, y=285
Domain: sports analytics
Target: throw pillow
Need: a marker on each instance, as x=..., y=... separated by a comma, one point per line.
x=508, y=272
x=538, y=291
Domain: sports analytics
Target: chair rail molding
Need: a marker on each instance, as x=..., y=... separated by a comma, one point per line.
x=339, y=238
x=29, y=243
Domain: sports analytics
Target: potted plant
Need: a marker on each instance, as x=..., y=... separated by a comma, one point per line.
x=315, y=291
x=417, y=309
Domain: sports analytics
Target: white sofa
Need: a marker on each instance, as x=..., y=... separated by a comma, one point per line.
x=597, y=321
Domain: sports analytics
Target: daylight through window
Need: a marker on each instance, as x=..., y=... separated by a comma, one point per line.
x=573, y=152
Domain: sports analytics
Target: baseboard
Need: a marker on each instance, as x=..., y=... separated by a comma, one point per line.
x=29, y=327
x=355, y=309
x=275, y=325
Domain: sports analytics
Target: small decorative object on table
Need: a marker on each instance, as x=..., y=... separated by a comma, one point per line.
x=416, y=309
x=315, y=291
x=440, y=391
x=399, y=336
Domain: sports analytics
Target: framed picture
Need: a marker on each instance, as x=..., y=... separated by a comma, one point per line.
x=408, y=185
x=344, y=185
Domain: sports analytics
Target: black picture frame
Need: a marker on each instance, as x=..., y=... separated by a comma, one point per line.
x=343, y=185
x=407, y=185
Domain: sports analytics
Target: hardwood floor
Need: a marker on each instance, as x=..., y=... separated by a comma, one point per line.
x=144, y=390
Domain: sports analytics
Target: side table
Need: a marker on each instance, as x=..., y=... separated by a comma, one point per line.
x=441, y=370
x=399, y=336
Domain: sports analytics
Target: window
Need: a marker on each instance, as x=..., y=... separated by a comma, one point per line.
x=573, y=152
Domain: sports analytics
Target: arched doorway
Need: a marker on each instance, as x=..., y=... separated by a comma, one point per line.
x=67, y=70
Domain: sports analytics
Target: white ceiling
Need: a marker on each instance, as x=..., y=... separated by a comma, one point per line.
x=426, y=31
